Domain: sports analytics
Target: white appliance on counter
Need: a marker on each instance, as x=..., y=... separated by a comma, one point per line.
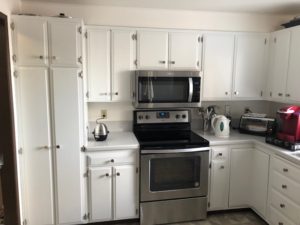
x=220, y=126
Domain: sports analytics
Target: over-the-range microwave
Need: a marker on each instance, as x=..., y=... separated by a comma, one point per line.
x=166, y=89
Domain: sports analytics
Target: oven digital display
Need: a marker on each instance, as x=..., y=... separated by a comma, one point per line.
x=162, y=115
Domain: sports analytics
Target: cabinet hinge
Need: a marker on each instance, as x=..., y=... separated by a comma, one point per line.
x=20, y=151
x=208, y=204
x=87, y=94
x=137, y=170
x=266, y=41
x=14, y=57
x=86, y=216
x=12, y=26
x=135, y=62
x=86, y=174
x=137, y=211
x=271, y=94
x=198, y=63
x=16, y=74
x=134, y=37
x=80, y=59
x=200, y=39
x=80, y=74
x=24, y=222
x=86, y=34
x=83, y=148
x=209, y=166
x=261, y=93
x=80, y=30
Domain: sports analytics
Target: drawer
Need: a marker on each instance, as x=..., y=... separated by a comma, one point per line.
x=220, y=153
x=285, y=206
x=110, y=158
x=286, y=169
x=286, y=186
x=276, y=218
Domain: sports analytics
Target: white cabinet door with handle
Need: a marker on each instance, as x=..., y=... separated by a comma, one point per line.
x=152, y=50
x=126, y=192
x=184, y=48
x=68, y=117
x=34, y=116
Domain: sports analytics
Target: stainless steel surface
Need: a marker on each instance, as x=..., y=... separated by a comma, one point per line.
x=173, y=211
x=100, y=132
x=172, y=151
x=176, y=116
x=148, y=195
x=191, y=89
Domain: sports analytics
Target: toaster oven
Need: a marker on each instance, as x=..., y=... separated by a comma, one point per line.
x=261, y=126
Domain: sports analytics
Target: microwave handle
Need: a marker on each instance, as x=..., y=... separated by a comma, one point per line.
x=191, y=89
x=151, y=90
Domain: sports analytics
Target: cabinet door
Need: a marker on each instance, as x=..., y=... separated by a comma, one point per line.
x=123, y=64
x=65, y=43
x=240, y=177
x=250, y=66
x=278, y=67
x=293, y=81
x=152, y=50
x=126, y=192
x=30, y=41
x=184, y=51
x=98, y=64
x=68, y=117
x=218, y=66
x=100, y=194
x=260, y=177
x=34, y=120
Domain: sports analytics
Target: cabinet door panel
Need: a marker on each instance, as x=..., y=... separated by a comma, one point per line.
x=250, y=66
x=67, y=97
x=65, y=43
x=35, y=125
x=126, y=192
x=123, y=64
x=184, y=51
x=152, y=50
x=30, y=41
x=98, y=64
x=100, y=194
x=218, y=66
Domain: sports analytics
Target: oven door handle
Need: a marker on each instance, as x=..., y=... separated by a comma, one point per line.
x=191, y=89
x=169, y=151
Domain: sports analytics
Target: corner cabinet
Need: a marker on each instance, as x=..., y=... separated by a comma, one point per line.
x=113, y=185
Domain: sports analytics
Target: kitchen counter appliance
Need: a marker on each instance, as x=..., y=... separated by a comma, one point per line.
x=174, y=167
x=100, y=132
x=166, y=89
x=257, y=125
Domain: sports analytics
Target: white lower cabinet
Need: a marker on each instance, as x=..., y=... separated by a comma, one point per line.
x=113, y=186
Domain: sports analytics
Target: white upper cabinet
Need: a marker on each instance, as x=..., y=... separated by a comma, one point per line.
x=278, y=66
x=30, y=41
x=293, y=80
x=65, y=43
x=123, y=63
x=98, y=64
x=152, y=50
x=184, y=51
x=250, y=66
x=218, y=66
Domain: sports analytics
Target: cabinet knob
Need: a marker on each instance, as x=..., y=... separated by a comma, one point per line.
x=116, y=93
x=53, y=57
x=172, y=62
x=118, y=174
x=107, y=175
x=282, y=205
x=57, y=146
x=226, y=93
x=41, y=57
x=284, y=186
x=236, y=93
x=220, y=154
x=112, y=160
x=162, y=62
x=222, y=167
x=280, y=94
x=285, y=170
x=287, y=95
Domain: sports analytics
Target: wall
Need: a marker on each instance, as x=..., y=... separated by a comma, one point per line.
x=9, y=6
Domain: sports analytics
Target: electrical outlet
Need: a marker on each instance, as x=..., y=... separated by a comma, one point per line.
x=103, y=113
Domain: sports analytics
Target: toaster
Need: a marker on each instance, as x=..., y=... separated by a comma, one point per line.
x=261, y=126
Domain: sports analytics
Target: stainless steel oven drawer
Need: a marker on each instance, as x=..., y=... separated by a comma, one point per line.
x=173, y=211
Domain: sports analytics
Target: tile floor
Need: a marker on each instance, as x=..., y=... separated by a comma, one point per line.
x=244, y=217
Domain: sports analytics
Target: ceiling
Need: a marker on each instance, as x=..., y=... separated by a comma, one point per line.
x=246, y=6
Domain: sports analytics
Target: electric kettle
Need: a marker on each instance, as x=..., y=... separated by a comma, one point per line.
x=100, y=132
x=220, y=126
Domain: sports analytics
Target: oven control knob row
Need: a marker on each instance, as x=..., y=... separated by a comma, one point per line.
x=147, y=117
x=140, y=117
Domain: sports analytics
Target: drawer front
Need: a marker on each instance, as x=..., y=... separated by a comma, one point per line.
x=286, y=169
x=286, y=186
x=276, y=218
x=285, y=206
x=111, y=158
x=220, y=153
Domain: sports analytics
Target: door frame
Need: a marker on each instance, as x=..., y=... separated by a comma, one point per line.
x=9, y=178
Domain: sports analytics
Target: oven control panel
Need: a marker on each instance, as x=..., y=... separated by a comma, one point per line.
x=162, y=116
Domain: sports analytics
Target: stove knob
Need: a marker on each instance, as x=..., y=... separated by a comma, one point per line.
x=140, y=117
x=183, y=116
x=147, y=117
x=177, y=116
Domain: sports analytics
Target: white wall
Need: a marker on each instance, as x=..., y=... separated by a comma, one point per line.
x=158, y=18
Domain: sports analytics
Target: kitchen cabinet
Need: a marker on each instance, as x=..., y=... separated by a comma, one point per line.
x=250, y=69
x=278, y=64
x=113, y=185
x=218, y=58
x=293, y=78
x=42, y=41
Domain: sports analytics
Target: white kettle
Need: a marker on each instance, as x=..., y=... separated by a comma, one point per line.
x=220, y=126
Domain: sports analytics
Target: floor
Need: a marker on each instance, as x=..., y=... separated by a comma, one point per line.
x=245, y=217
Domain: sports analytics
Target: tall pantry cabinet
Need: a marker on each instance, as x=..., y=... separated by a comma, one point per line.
x=49, y=93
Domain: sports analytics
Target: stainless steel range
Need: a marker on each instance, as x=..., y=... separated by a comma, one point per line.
x=174, y=167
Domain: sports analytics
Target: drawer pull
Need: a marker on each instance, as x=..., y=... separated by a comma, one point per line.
x=282, y=206
x=285, y=170
x=280, y=223
x=284, y=186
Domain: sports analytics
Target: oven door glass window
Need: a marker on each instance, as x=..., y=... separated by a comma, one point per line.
x=174, y=173
x=163, y=89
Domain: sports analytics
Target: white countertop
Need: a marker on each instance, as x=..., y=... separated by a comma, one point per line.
x=238, y=138
x=114, y=141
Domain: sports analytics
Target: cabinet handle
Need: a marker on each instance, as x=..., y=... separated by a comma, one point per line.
x=41, y=57
x=80, y=60
x=287, y=95
x=45, y=147
x=102, y=94
x=282, y=205
x=220, y=154
x=284, y=186
x=57, y=146
x=285, y=170
x=162, y=62
x=118, y=174
x=280, y=94
x=112, y=160
x=172, y=62
x=116, y=93
x=107, y=175
x=236, y=93
x=222, y=167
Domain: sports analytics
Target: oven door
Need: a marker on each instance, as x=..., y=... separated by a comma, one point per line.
x=175, y=174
